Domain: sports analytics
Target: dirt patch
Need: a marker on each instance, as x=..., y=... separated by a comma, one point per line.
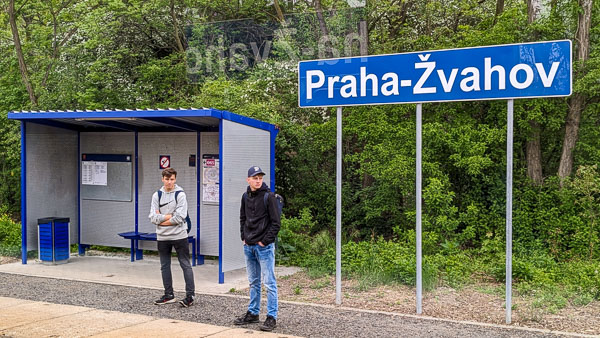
x=7, y=260
x=482, y=302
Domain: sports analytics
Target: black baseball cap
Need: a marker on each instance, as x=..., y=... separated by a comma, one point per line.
x=253, y=171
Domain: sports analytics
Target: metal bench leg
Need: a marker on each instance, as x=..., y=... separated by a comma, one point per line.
x=193, y=252
x=132, y=250
x=139, y=254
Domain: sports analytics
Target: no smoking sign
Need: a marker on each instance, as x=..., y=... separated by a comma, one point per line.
x=164, y=161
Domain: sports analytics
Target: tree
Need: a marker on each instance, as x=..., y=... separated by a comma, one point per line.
x=578, y=101
x=534, y=147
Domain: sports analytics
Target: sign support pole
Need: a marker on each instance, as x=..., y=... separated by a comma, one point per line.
x=509, y=179
x=338, y=210
x=418, y=202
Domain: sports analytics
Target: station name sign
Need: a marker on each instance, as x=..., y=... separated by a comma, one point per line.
x=539, y=69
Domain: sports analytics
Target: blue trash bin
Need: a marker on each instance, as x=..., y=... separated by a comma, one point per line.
x=53, y=240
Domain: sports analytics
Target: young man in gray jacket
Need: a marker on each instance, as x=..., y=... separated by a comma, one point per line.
x=169, y=213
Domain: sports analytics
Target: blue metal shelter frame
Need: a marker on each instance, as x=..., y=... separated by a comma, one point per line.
x=138, y=120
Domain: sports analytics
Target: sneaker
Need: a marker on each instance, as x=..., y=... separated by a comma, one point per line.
x=247, y=318
x=269, y=324
x=187, y=301
x=165, y=299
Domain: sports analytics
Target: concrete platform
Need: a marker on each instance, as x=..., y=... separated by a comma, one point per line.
x=25, y=318
x=119, y=270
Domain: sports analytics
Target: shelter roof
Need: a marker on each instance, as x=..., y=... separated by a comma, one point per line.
x=171, y=119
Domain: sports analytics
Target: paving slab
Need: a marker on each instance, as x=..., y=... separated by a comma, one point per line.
x=33, y=312
x=166, y=328
x=40, y=319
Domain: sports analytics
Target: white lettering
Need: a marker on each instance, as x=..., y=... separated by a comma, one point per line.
x=424, y=57
x=487, y=75
x=364, y=77
x=351, y=86
x=447, y=84
x=528, y=76
x=310, y=85
x=474, y=79
x=405, y=83
x=429, y=67
x=330, y=82
x=547, y=79
x=393, y=83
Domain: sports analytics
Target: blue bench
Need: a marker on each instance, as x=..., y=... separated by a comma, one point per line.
x=144, y=236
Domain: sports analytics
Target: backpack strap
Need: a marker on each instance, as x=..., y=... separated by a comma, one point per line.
x=266, y=198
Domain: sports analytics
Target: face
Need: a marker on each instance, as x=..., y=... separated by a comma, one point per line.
x=255, y=182
x=169, y=182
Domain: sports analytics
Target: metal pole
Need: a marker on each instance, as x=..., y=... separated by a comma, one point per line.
x=418, y=187
x=509, y=165
x=338, y=211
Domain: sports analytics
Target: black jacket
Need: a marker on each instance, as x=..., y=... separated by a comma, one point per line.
x=258, y=224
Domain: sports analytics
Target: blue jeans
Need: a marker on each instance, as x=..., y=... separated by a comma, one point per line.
x=260, y=261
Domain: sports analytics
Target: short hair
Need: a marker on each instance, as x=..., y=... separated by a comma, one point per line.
x=169, y=172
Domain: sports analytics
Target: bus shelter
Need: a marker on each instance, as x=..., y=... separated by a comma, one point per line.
x=100, y=168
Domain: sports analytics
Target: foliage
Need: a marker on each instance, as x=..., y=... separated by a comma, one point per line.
x=113, y=54
x=10, y=236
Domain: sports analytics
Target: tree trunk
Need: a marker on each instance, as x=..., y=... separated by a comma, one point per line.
x=534, y=145
x=534, y=154
x=280, y=17
x=22, y=66
x=499, y=9
x=534, y=7
x=178, y=42
x=577, y=102
x=322, y=25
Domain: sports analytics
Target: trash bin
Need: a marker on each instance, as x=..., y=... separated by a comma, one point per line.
x=53, y=240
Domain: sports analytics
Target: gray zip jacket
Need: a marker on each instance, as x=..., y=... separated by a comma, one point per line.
x=167, y=205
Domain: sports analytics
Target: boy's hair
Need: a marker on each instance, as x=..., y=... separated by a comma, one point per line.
x=169, y=172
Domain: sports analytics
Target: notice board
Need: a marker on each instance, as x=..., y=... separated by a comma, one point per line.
x=106, y=177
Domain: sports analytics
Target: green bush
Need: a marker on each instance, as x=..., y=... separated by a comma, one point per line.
x=10, y=236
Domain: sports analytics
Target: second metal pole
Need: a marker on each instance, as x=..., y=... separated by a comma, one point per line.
x=509, y=181
x=418, y=202
x=338, y=211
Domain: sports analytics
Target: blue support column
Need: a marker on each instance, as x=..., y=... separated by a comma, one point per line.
x=221, y=274
x=23, y=194
x=81, y=248
x=139, y=254
x=199, y=258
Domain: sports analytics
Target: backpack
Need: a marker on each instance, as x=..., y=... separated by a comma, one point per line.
x=188, y=221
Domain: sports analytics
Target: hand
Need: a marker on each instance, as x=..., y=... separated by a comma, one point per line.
x=261, y=244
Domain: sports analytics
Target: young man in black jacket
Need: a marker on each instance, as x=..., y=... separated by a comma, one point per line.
x=259, y=225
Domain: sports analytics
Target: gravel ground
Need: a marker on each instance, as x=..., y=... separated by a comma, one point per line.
x=294, y=319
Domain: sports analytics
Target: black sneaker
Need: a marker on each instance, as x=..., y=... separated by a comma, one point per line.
x=269, y=324
x=165, y=299
x=187, y=301
x=247, y=318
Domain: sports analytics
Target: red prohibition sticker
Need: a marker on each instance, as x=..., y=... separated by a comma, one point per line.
x=164, y=161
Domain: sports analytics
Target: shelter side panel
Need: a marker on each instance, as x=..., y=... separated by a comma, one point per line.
x=243, y=147
x=51, y=173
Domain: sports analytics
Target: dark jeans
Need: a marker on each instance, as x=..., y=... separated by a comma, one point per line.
x=183, y=254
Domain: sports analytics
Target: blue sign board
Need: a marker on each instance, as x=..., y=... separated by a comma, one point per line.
x=540, y=69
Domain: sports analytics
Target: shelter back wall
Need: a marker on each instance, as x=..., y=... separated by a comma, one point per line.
x=52, y=171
